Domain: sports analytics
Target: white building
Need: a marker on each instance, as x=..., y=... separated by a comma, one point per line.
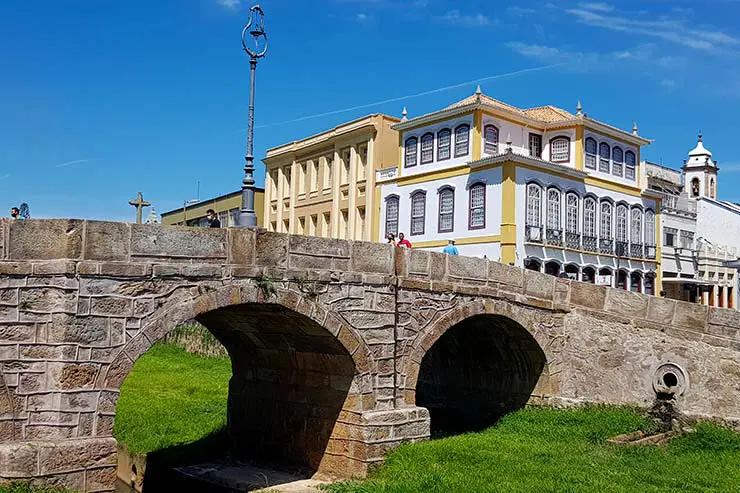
x=700, y=232
x=541, y=188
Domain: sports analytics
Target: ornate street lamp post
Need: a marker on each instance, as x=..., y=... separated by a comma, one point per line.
x=256, y=29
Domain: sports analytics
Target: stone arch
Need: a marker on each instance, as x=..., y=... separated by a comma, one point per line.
x=322, y=365
x=474, y=364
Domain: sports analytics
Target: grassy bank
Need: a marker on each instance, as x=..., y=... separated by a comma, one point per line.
x=546, y=450
x=170, y=398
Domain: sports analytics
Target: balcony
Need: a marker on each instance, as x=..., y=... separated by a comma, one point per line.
x=678, y=203
x=533, y=234
x=650, y=251
x=573, y=241
x=554, y=237
x=590, y=244
x=636, y=250
x=622, y=248
x=606, y=245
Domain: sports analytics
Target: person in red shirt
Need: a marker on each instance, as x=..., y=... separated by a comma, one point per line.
x=403, y=242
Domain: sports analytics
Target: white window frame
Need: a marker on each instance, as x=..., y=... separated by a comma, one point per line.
x=591, y=158
x=617, y=164
x=605, y=220
x=462, y=140
x=490, y=141
x=418, y=219
x=411, y=151
x=443, y=193
x=629, y=167
x=604, y=157
x=649, y=228
x=534, y=205
x=425, y=140
x=477, y=212
x=562, y=155
x=636, y=226
x=554, y=199
x=589, y=217
x=622, y=223
x=444, y=150
x=571, y=213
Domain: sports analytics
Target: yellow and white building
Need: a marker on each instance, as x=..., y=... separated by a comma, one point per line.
x=540, y=188
x=324, y=185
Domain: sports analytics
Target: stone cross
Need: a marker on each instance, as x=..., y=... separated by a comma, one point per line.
x=139, y=203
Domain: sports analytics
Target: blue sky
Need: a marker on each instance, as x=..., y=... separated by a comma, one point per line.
x=102, y=99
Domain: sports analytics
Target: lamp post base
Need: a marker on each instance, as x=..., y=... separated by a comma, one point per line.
x=247, y=220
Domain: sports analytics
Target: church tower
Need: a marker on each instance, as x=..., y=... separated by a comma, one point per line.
x=700, y=172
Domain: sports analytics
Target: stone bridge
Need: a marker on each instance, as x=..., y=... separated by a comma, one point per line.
x=340, y=350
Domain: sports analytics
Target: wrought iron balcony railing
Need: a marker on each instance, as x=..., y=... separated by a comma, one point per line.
x=573, y=241
x=606, y=245
x=650, y=251
x=636, y=250
x=554, y=237
x=590, y=244
x=622, y=249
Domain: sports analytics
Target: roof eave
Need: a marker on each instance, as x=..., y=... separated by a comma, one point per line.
x=632, y=138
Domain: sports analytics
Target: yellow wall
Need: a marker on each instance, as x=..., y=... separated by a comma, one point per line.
x=219, y=204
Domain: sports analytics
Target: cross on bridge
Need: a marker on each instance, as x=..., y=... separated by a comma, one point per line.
x=139, y=203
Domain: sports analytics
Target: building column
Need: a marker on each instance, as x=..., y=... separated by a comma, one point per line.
x=280, y=193
x=352, y=179
x=372, y=219
x=508, y=213
x=335, y=183
x=294, y=175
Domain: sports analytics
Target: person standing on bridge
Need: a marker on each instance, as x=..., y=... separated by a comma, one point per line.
x=450, y=249
x=403, y=242
x=213, y=221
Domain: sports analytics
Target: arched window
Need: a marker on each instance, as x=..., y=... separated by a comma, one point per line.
x=446, y=209
x=490, y=140
x=605, y=232
x=589, y=224
x=552, y=268
x=695, y=187
x=629, y=168
x=617, y=161
x=534, y=205
x=650, y=228
x=711, y=188
x=571, y=213
x=622, y=224
x=650, y=283
x=418, y=212
x=462, y=140
x=636, y=226
x=427, y=148
x=391, y=215
x=604, y=155
x=444, y=139
x=590, y=153
x=553, y=209
x=532, y=264
x=560, y=150
x=588, y=274
x=477, y=213
x=636, y=282
x=410, y=152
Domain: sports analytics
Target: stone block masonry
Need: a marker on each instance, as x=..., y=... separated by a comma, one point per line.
x=341, y=350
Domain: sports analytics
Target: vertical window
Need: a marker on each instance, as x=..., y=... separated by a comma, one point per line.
x=553, y=209
x=477, y=218
x=444, y=139
x=636, y=226
x=427, y=148
x=605, y=231
x=462, y=140
x=621, y=223
x=650, y=228
x=590, y=153
x=687, y=240
x=446, y=210
x=410, y=152
x=391, y=215
x=418, y=212
x=604, y=155
x=617, y=161
x=560, y=150
x=535, y=145
x=711, y=188
x=669, y=239
x=589, y=217
x=490, y=139
x=571, y=213
x=534, y=205
x=629, y=168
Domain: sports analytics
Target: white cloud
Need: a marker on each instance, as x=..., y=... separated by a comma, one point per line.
x=672, y=29
x=521, y=11
x=362, y=17
x=232, y=5
x=455, y=17
x=597, y=6
x=72, y=163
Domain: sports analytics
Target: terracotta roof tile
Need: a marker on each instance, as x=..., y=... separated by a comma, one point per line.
x=549, y=114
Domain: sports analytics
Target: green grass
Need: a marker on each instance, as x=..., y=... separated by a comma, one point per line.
x=548, y=450
x=171, y=398
x=25, y=487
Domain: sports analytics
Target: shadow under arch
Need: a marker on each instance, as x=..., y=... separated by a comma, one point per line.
x=478, y=370
x=293, y=368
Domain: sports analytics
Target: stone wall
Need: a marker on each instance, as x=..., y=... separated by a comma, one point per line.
x=327, y=339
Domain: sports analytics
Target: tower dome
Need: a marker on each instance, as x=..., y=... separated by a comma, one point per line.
x=700, y=155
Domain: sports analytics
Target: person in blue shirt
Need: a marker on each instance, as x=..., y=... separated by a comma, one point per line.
x=450, y=249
